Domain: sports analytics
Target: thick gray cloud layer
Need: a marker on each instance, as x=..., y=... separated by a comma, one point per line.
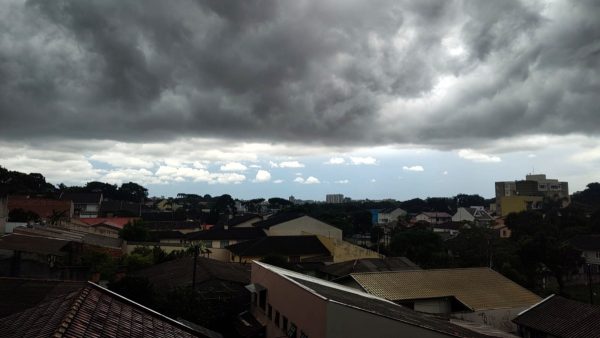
x=332, y=72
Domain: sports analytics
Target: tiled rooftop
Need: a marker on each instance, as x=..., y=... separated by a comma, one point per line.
x=563, y=318
x=477, y=288
x=93, y=312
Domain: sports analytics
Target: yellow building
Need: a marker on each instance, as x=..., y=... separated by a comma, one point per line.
x=519, y=203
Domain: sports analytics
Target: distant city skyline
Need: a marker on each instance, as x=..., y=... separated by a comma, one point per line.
x=399, y=100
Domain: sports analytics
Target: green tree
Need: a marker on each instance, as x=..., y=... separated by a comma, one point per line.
x=472, y=247
x=135, y=231
x=133, y=192
x=20, y=215
x=423, y=247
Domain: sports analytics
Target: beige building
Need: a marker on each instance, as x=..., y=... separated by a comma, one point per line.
x=479, y=295
x=295, y=224
x=516, y=196
x=289, y=304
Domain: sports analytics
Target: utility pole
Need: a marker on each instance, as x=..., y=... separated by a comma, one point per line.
x=196, y=253
x=589, y=273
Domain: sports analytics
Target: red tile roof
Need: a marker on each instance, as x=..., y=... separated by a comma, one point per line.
x=94, y=312
x=117, y=222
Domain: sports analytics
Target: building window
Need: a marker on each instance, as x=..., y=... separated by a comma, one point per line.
x=285, y=322
x=270, y=311
x=277, y=318
x=262, y=299
x=292, y=331
x=224, y=243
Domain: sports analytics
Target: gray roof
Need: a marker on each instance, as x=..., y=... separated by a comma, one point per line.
x=562, y=318
x=365, y=302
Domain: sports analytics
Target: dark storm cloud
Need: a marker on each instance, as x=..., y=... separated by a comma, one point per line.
x=297, y=71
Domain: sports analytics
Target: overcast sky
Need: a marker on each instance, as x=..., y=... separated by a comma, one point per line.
x=371, y=99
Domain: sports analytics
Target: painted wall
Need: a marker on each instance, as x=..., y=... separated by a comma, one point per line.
x=343, y=251
x=303, y=225
x=510, y=204
x=498, y=318
x=307, y=311
x=438, y=305
x=347, y=322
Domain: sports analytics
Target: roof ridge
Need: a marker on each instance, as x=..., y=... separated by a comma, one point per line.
x=68, y=318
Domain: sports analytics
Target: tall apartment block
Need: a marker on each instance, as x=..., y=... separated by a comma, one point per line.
x=334, y=198
x=529, y=194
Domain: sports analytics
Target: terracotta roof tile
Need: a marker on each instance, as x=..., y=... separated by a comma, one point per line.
x=93, y=312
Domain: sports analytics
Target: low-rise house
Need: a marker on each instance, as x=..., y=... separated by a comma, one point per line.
x=479, y=295
x=290, y=304
x=37, y=257
x=433, y=217
x=85, y=205
x=217, y=239
x=185, y=227
x=558, y=317
x=19, y=294
x=296, y=224
x=295, y=249
x=390, y=215
x=107, y=226
x=94, y=311
x=115, y=208
x=245, y=220
x=475, y=215
x=3, y=213
x=589, y=245
x=344, y=269
x=49, y=210
x=450, y=228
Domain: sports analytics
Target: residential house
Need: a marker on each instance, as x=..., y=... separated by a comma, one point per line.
x=342, y=251
x=390, y=215
x=19, y=294
x=49, y=210
x=589, y=245
x=502, y=230
x=185, y=227
x=295, y=249
x=479, y=295
x=94, y=311
x=475, y=215
x=300, y=249
x=558, y=317
x=115, y=208
x=107, y=226
x=217, y=240
x=449, y=228
x=290, y=304
x=296, y=224
x=3, y=213
x=168, y=205
x=434, y=217
x=344, y=269
x=37, y=257
x=245, y=220
x=85, y=205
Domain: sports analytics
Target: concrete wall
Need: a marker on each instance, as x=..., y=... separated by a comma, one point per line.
x=348, y=322
x=307, y=311
x=343, y=251
x=498, y=318
x=302, y=226
x=438, y=305
x=510, y=204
